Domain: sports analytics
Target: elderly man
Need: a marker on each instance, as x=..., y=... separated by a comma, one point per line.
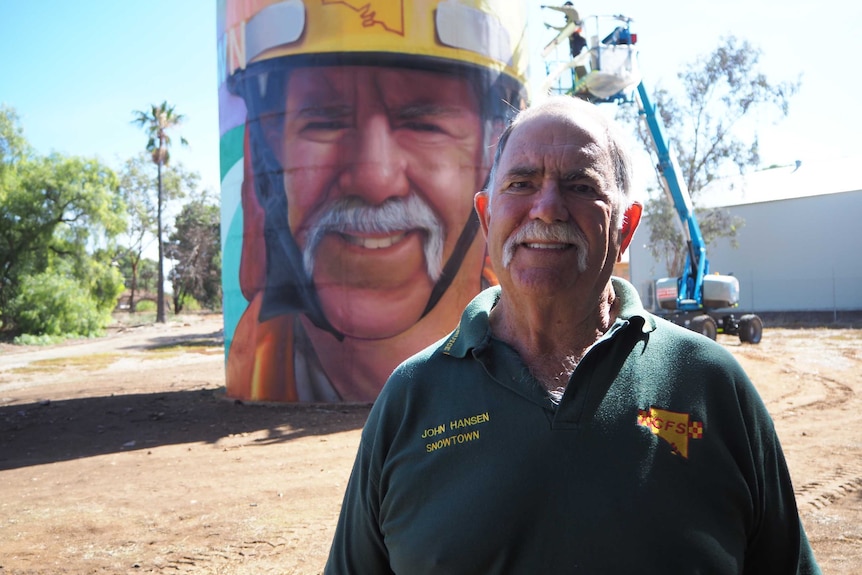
x=561, y=428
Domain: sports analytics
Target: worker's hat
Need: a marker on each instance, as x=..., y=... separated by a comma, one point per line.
x=490, y=34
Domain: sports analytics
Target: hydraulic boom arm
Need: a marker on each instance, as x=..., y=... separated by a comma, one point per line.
x=696, y=265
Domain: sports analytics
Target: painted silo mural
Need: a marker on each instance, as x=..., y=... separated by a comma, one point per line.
x=353, y=138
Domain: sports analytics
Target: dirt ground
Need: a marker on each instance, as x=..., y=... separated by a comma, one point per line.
x=122, y=455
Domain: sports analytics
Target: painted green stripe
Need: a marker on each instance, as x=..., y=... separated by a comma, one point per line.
x=230, y=149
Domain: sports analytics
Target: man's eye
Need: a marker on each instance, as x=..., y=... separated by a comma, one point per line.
x=428, y=127
x=323, y=131
x=519, y=186
x=325, y=125
x=584, y=190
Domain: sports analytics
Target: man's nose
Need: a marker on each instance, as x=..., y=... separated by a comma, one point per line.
x=549, y=205
x=376, y=164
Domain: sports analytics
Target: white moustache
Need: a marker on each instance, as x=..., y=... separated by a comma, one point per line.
x=354, y=220
x=537, y=234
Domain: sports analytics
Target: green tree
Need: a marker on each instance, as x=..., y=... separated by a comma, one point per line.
x=53, y=210
x=139, y=189
x=13, y=145
x=148, y=274
x=135, y=186
x=709, y=128
x=157, y=122
x=195, y=246
x=138, y=274
x=13, y=150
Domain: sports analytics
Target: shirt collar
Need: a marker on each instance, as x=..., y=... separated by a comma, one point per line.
x=473, y=329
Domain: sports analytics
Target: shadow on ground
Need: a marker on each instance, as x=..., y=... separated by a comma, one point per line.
x=192, y=340
x=47, y=432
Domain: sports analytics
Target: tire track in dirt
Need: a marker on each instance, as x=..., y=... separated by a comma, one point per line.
x=837, y=394
x=245, y=557
x=829, y=489
x=812, y=386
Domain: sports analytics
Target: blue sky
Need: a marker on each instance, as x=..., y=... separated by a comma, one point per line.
x=74, y=71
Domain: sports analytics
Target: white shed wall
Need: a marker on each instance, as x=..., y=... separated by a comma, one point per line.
x=801, y=254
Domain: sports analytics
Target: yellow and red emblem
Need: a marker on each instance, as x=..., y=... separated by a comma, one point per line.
x=674, y=427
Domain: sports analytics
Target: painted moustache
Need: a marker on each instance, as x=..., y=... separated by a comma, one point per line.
x=354, y=220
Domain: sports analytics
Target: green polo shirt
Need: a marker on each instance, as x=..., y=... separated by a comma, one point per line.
x=660, y=458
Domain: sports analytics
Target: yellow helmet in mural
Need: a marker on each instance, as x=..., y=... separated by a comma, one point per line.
x=486, y=33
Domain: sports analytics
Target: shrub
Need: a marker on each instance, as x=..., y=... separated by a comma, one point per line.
x=106, y=285
x=28, y=339
x=56, y=305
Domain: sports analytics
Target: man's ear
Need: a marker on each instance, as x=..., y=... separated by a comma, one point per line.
x=631, y=219
x=480, y=202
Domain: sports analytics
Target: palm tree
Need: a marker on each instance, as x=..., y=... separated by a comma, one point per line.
x=157, y=122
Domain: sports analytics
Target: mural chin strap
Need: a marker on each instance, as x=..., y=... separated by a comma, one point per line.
x=453, y=264
x=285, y=293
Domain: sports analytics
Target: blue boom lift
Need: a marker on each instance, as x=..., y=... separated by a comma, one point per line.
x=607, y=71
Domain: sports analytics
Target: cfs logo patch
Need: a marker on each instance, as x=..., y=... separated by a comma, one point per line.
x=675, y=428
